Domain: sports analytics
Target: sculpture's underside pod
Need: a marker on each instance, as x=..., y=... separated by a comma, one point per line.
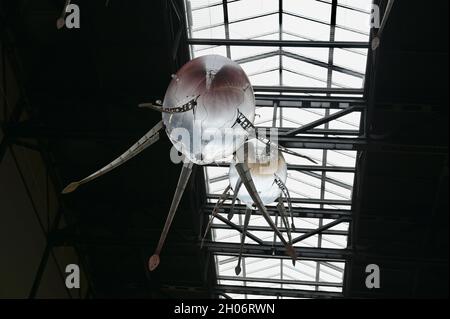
x=244, y=174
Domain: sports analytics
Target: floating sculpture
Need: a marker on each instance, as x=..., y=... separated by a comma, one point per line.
x=207, y=113
x=267, y=170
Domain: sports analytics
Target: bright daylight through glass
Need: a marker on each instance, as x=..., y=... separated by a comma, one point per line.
x=294, y=86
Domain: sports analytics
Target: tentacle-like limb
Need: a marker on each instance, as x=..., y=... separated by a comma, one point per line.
x=61, y=20
x=235, y=194
x=284, y=218
x=247, y=125
x=274, y=236
x=244, y=174
x=286, y=194
x=248, y=213
x=215, y=211
x=147, y=140
x=181, y=186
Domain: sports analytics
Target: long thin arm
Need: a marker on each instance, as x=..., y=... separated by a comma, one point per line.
x=286, y=194
x=283, y=216
x=244, y=174
x=181, y=186
x=147, y=140
x=248, y=213
x=235, y=194
x=215, y=211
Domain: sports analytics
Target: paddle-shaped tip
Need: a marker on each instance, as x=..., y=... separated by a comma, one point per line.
x=60, y=23
x=230, y=216
x=293, y=227
x=237, y=270
x=291, y=252
x=153, y=262
x=70, y=188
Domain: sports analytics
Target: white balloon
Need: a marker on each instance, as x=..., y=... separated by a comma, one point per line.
x=265, y=166
x=221, y=89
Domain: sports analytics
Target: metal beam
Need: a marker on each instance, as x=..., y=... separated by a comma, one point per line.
x=211, y=5
x=223, y=290
x=44, y=258
x=296, y=90
x=277, y=43
x=282, y=229
x=13, y=118
x=334, y=169
x=294, y=293
x=279, y=281
x=324, y=120
x=239, y=229
x=301, y=168
x=329, y=180
x=321, y=229
x=330, y=143
x=257, y=57
x=226, y=24
x=284, y=131
x=27, y=131
x=277, y=251
x=323, y=64
x=297, y=212
x=330, y=202
x=305, y=102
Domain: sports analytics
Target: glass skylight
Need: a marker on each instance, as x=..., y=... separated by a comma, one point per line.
x=278, y=74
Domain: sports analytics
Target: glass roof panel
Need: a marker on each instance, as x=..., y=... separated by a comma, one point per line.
x=291, y=67
x=359, y=4
x=207, y=17
x=238, y=53
x=254, y=27
x=352, y=19
x=242, y=9
x=197, y=4
x=308, y=8
x=210, y=33
x=306, y=29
